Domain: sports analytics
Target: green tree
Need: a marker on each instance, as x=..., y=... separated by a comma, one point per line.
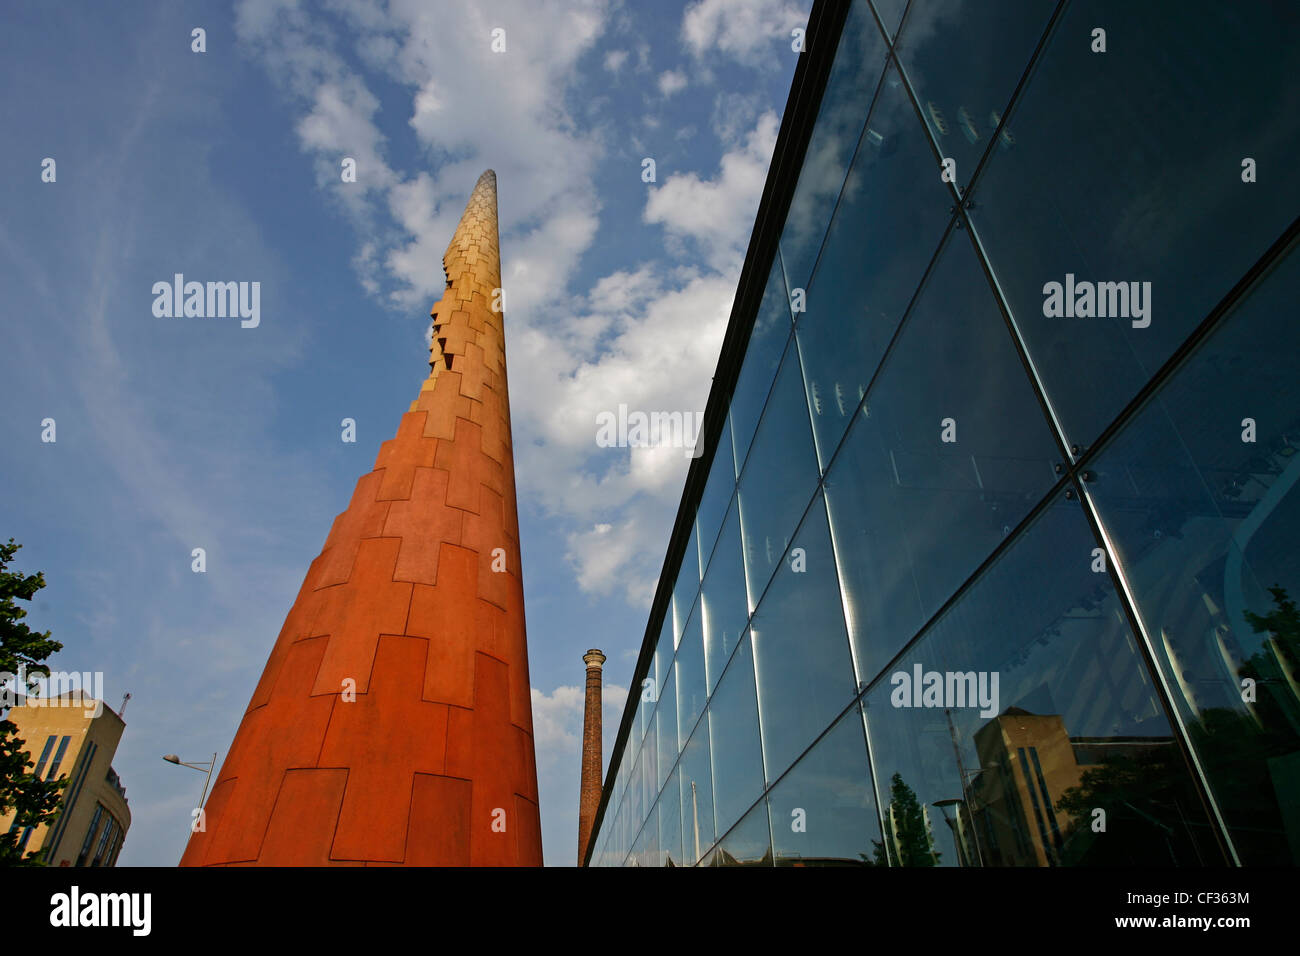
x=914, y=843
x=36, y=802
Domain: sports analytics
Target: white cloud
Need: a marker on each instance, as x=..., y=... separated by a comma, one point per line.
x=647, y=337
x=557, y=723
x=485, y=109
x=672, y=81
x=615, y=59
x=717, y=213
x=744, y=30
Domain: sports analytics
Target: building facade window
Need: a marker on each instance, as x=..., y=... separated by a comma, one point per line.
x=45, y=755
x=58, y=758
x=91, y=832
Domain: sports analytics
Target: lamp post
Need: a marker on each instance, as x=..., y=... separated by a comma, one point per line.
x=208, y=766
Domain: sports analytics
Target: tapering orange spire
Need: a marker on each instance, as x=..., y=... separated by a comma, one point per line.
x=393, y=721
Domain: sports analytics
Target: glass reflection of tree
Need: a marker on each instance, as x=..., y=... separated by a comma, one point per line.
x=1138, y=791
x=1274, y=668
x=910, y=842
x=1248, y=754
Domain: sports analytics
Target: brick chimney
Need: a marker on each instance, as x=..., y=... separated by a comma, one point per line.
x=589, y=793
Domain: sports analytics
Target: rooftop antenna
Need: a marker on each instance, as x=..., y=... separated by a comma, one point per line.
x=122, y=710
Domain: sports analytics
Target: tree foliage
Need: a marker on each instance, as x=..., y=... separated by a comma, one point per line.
x=35, y=802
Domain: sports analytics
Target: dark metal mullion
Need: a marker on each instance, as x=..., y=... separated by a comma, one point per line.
x=1034, y=60
x=1145, y=645
x=1271, y=257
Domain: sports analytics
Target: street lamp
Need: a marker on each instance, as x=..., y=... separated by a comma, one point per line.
x=208, y=766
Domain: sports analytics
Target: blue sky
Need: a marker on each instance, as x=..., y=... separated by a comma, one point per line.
x=174, y=434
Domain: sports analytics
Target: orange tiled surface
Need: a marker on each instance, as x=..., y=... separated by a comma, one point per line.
x=433, y=762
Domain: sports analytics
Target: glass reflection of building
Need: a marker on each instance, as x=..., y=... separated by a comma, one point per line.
x=1112, y=531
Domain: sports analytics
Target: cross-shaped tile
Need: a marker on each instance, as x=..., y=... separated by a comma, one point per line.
x=447, y=616
x=423, y=522
x=484, y=746
x=363, y=519
x=485, y=531
x=400, y=456
x=356, y=613
x=384, y=738
x=285, y=733
x=463, y=458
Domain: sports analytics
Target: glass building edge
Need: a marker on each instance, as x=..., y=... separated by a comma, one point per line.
x=825, y=23
x=1145, y=616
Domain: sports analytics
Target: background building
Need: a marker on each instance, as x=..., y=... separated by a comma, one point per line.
x=916, y=453
x=67, y=738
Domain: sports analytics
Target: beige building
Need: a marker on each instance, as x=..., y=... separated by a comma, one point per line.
x=75, y=737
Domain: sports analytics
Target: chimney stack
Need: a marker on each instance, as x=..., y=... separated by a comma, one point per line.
x=589, y=793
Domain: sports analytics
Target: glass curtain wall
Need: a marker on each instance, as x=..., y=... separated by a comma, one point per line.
x=995, y=563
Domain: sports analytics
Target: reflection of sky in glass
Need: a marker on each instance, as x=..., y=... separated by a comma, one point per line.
x=1141, y=180
x=1205, y=524
x=726, y=609
x=830, y=787
x=749, y=843
x=885, y=230
x=801, y=648
x=913, y=515
x=733, y=728
x=890, y=13
x=964, y=59
x=858, y=62
x=780, y=476
x=692, y=691
x=1117, y=167
x=718, y=489
x=762, y=356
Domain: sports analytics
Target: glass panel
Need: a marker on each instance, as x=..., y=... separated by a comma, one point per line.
x=624, y=765
x=1134, y=175
x=640, y=721
x=801, y=649
x=890, y=12
x=692, y=691
x=749, y=844
x=823, y=813
x=624, y=836
x=1023, y=711
x=859, y=60
x=687, y=584
x=670, y=822
x=780, y=476
x=1205, y=525
x=913, y=512
x=696, y=780
x=734, y=742
x=633, y=804
x=646, y=850
x=666, y=715
x=650, y=769
x=718, y=489
x=886, y=228
x=664, y=649
x=726, y=608
x=762, y=356
x=964, y=61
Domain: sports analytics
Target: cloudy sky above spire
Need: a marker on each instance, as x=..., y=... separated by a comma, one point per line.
x=175, y=434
